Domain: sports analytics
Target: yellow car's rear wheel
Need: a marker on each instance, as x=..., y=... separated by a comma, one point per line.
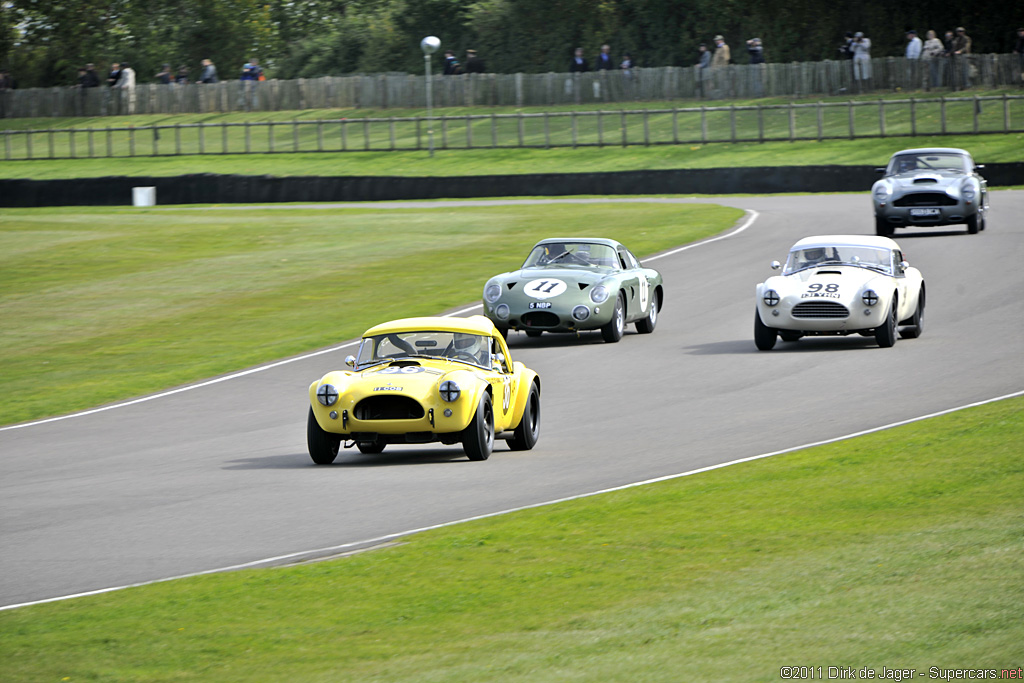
x=526, y=434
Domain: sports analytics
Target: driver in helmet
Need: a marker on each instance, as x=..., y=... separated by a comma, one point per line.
x=814, y=256
x=470, y=344
x=907, y=163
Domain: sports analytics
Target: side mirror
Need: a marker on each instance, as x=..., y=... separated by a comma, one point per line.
x=350, y=361
x=903, y=266
x=776, y=265
x=880, y=170
x=979, y=167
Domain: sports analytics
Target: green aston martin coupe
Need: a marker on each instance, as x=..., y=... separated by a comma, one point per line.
x=574, y=284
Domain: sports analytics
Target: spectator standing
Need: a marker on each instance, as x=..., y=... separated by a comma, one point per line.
x=961, y=51
x=604, y=59
x=181, y=76
x=252, y=74
x=930, y=53
x=719, y=60
x=6, y=86
x=164, y=76
x=92, y=79
x=579, y=62
x=912, y=55
x=79, y=101
x=861, y=60
x=126, y=83
x=474, y=63
x=114, y=76
x=451, y=65
x=627, y=65
x=209, y=74
x=1018, y=49
x=703, y=69
x=756, y=51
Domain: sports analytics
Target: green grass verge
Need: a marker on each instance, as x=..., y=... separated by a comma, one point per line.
x=901, y=549
x=113, y=303
x=297, y=157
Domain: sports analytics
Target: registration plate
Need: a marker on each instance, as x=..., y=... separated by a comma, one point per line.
x=540, y=304
x=924, y=212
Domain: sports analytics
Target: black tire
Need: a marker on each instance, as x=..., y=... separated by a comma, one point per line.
x=478, y=437
x=915, y=326
x=614, y=329
x=646, y=326
x=534, y=333
x=972, y=224
x=323, y=446
x=883, y=228
x=525, y=436
x=764, y=336
x=371, y=447
x=885, y=334
x=789, y=335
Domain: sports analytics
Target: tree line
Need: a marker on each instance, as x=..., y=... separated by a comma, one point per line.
x=44, y=42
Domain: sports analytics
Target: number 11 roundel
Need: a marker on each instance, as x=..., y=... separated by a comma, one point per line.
x=544, y=289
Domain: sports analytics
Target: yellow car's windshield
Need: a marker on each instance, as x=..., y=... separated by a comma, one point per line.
x=474, y=349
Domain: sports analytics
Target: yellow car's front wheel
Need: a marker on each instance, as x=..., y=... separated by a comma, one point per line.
x=478, y=437
x=323, y=446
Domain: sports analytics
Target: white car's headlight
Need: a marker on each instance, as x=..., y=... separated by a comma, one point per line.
x=599, y=294
x=450, y=391
x=327, y=395
x=492, y=292
x=869, y=297
x=770, y=297
x=882, y=192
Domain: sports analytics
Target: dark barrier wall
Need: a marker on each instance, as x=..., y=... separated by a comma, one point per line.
x=238, y=189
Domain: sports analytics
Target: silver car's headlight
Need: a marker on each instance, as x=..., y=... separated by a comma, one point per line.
x=492, y=292
x=599, y=294
x=327, y=395
x=450, y=391
x=882, y=192
x=770, y=297
x=869, y=297
x=967, y=192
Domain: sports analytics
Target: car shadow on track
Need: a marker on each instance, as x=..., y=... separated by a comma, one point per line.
x=353, y=458
x=549, y=340
x=746, y=347
x=933, y=233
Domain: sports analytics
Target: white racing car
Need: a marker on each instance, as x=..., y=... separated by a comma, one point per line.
x=839, y=285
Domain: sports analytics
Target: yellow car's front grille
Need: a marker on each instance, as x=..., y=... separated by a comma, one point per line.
x=388, y=407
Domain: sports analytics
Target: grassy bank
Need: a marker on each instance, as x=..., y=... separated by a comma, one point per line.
x=113, y=303
x=294, y=144
x=901, y=549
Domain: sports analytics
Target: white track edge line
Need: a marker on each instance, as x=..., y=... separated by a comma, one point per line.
x=400, y=534
x=261, y=368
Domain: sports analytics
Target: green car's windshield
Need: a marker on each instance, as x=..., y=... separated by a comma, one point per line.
x=865, y=257
x=904, y=163
x=461, y=346
x=572, y=254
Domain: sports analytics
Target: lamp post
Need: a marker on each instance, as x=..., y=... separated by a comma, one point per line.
x=429, y=45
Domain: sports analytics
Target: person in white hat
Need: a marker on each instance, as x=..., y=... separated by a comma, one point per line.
x=861, y=59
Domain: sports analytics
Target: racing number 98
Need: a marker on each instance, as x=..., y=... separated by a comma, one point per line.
x=817, y=286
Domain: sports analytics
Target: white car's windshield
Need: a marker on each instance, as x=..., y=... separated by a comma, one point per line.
x=903, y=163
x=460, y=346
x=572, y=254
x=864, y=257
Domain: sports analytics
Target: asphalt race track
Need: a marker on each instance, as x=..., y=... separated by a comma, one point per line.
x=218, y=475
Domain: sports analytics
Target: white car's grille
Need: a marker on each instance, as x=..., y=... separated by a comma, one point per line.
x=820, y=309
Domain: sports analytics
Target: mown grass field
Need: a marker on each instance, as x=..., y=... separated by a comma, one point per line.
x=899, y=549
x=297, y=136
x=112, y=303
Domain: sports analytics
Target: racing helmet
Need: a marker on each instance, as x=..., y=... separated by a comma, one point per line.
x=473, y=344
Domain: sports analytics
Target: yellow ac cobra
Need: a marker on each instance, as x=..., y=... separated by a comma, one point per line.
x=422, y=380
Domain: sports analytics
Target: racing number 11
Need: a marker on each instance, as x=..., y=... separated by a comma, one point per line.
x=540, y=286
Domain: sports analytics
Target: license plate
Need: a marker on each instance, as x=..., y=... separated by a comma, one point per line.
x=540, y=304
x=924, y=212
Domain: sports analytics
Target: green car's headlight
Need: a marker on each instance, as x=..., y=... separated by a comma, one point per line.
x=492, y=292
x=599, y=294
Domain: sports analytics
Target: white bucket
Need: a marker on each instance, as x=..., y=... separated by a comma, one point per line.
x=143, y=196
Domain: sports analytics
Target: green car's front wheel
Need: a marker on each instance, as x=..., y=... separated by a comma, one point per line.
x=613, y=330
x=323, y=446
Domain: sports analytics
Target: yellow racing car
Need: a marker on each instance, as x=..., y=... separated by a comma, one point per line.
x=421, y=380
